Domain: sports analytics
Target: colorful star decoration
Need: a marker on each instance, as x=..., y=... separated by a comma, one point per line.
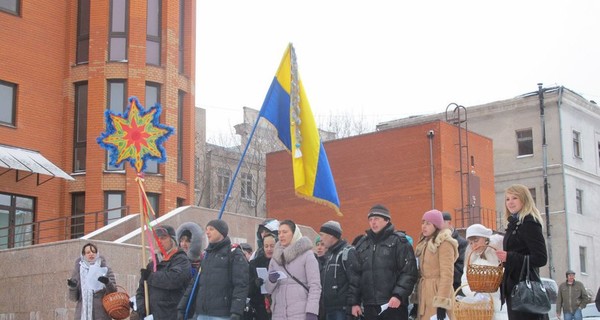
x=136, y=136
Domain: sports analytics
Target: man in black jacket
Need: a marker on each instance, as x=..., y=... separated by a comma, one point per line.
x=388, y=270
x=339, y=275
x=222, y=286
x=459, y=264
x=167, y=285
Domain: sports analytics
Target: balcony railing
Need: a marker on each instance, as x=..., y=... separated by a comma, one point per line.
x=58, y=229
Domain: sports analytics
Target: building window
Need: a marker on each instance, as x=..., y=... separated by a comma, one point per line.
x=525, y=142
x=152, y=98
x=117, y=100
x=181, y=36
x=579, y=200
x=8, y=103
x=77, y=215
x=598, y=153
x=16, y=220
x=223, y=181
x=180, y=202
x=153, y=32
x=114, y=204
x=11, y=6
x=533, y=195
x=582, y=259
x=79, y=146
x=118, y=30
x=576, y=144
x=180, y=134
x=83, y=32
x=153, y=198
x=246, y=192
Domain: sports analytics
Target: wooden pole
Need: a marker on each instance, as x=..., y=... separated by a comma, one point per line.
x=140, y=181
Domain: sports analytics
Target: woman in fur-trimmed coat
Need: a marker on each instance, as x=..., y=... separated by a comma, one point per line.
x=294, y=300
x=436, y=253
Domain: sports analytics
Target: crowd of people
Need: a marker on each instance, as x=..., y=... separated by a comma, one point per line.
x=201, y=275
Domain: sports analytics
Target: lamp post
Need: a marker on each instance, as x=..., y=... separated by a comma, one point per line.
x=545, y=174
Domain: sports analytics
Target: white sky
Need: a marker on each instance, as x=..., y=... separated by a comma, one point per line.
x=384, y=60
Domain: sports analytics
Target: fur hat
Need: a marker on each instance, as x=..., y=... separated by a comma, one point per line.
x=220, y=226
x=379, y=211
x=478, y=230
x=333, y=228
x=435, y=218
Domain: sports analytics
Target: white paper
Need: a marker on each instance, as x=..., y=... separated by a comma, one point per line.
x=384, y=307
x=434, y=317
x=264, y=275
x=282, y=275
x=132, y=299
x=94, y=273
x=150, y=317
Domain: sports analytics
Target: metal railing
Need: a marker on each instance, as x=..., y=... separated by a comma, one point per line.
x=58, y=229
x=464, y=217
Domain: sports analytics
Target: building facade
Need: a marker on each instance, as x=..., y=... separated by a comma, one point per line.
x=62, y=65
x=570, y=160
x=410, y=170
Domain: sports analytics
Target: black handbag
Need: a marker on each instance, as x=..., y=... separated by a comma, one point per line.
x=529, y=296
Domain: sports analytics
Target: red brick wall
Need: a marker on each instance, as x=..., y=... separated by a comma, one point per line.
x=39, y=55
x=390, y=167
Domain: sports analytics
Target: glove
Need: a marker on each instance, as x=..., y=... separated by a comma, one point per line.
x=72, y=283
x=273, y=277
x=103, y=279
x=441, y=313
x=130, y=304
x=144, y=273
x=259, y=282
x=311, y=316
x=235, y=316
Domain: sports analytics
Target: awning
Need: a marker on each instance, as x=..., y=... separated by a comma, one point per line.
x=29, y=161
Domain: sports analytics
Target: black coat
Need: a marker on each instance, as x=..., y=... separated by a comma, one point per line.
x=165, y=286
x=257, y=299
x=459, y=264
x=522, y=239
x=223, y=284
x=340, y=278
x=387, y=267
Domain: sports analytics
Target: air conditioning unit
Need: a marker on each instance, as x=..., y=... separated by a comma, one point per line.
x=253, y=203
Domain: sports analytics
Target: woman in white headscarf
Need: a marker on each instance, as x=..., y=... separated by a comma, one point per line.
x=483, y=244
x=90, y=281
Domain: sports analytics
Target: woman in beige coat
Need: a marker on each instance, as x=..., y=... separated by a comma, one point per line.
x=436, y=253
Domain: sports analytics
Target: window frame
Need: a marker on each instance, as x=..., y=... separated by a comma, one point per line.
x=152, y=166
x=13, y=209
x=9, y=11
x=579, y=201
x=80, y=166
x=157, y=39
x=83, y=38
x=112, y=35
x=77, y=226
x=180, y=133
x=583, y=259
x=246, y=184
x=13, y=109
x=181, y=53
x=116, y=109
x=223, y=181
x=522, y=140
x=577, y=144
x=108, y=211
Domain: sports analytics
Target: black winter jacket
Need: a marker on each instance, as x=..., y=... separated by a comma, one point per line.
x=340, y=278
x=387, y=267
x=257, y=299
x=165, y=286
x=522, y=239
x=459, y=264
x=223, y=284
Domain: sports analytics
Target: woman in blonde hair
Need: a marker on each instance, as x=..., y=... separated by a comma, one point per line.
x=523, y=237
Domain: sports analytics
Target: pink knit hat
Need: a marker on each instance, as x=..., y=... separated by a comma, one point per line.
x=435, y=218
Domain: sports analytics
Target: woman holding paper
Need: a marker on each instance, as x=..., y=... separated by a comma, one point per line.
x=90, y=281
x=260, y=302
x=294, y=280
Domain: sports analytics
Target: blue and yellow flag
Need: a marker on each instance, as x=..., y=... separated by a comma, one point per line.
x=287, y=108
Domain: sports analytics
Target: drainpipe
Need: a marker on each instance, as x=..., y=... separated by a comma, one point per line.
x=545, y=174
x=430, y=135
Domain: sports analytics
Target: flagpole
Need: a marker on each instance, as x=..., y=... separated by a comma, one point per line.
x=140, y=180
x=238, y=166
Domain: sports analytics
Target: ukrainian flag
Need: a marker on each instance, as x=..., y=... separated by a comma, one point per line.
x=287, y=108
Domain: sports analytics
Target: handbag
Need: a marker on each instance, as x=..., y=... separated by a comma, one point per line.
x=529, y=296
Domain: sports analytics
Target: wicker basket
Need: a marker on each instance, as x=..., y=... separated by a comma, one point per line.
x=116, y=304
x=482, y=278
x=483, y=310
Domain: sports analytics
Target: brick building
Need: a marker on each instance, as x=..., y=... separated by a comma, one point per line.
x=409, y=170
x=62, y=64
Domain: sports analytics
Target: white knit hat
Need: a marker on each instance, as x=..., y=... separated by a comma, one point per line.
x=478, y=230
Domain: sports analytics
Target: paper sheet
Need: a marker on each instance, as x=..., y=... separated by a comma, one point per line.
x=263, y=274
x=384, y=307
